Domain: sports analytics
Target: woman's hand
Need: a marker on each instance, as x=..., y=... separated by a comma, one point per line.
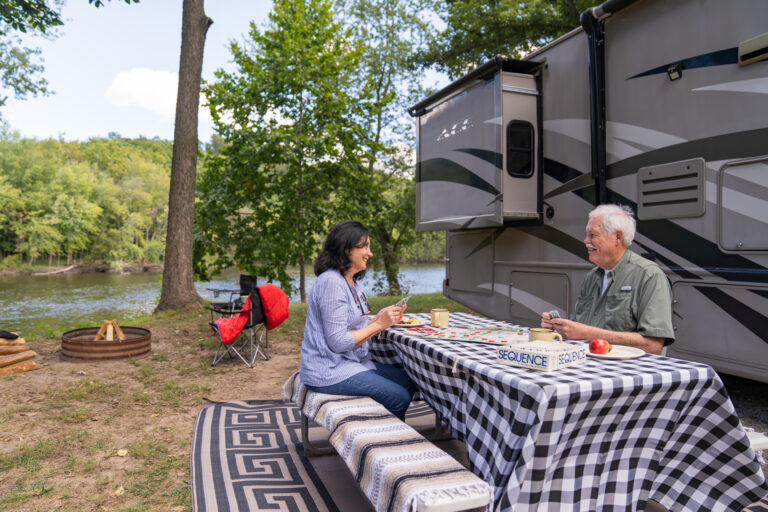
x=388, y=316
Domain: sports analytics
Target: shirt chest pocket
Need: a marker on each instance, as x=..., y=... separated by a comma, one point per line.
x=583, y=308
x=619, y=312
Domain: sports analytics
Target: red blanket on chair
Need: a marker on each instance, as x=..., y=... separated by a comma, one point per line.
x=231, y=326
x=275, y=304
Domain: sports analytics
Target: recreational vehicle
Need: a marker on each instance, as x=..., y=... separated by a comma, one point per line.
x=658, y=105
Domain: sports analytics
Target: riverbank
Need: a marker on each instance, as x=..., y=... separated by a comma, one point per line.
x=82, y=268
x=72, y=300
x=104, y=268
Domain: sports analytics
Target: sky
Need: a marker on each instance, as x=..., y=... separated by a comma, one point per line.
x=115, y=68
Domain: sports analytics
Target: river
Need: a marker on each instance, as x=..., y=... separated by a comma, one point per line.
x=60, y=302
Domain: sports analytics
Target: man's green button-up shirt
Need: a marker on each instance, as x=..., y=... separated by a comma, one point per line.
x=638, y=299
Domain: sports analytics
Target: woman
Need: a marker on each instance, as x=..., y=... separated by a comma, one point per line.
x=334, y=353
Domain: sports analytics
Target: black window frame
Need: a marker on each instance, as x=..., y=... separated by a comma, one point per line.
x=515, y=123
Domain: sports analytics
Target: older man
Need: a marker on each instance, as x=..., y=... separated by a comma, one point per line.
x=626, y=299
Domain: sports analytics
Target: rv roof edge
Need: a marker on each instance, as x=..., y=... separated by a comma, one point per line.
x=495, y=64
x=607, y=8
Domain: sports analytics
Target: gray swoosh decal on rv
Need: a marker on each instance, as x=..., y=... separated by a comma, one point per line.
x=745, y=315
x=559, y=239
x=736, y=145
x=720, y=147
x=485, y=242
x=582, y=182
x=491, y=157
x=684, y=243
x=687, y=244
x=705, y=60
x=442, y=169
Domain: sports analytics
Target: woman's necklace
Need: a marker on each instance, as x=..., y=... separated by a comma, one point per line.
x=360, y=299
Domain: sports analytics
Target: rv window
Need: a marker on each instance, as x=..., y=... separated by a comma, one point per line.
x=520, y=149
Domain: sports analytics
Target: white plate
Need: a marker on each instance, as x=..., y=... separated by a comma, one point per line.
x=408, y=324
x=620, y=352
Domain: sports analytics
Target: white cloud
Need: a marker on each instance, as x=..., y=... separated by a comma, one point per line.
x=149, y=89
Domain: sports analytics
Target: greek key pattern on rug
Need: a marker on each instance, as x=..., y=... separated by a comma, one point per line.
x=246, y=455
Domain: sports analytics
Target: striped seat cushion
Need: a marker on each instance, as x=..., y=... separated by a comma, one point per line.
x=397, y=469
x=760, y=506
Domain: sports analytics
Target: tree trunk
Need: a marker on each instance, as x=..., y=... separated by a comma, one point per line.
x=300, y=203
x=302, y=277
x=178, y=289
x=389, y=257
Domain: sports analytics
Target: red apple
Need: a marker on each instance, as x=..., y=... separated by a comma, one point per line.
x=599, y=346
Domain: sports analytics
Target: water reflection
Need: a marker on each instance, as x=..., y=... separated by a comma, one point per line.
x=66, y=301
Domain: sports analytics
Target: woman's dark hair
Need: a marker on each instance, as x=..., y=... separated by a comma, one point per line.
x=343, y=237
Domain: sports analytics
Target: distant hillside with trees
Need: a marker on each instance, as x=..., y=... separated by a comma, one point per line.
x=103, y=200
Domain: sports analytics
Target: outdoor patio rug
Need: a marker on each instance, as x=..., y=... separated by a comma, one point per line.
x=247, y=455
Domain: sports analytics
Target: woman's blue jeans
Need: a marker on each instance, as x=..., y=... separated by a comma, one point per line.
x=389, y=385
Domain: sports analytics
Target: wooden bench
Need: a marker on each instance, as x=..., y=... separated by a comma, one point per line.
x=395, y=466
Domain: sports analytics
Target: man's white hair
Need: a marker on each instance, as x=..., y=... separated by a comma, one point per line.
x=616, y=217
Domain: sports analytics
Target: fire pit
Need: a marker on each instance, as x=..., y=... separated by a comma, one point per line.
x=86, y=344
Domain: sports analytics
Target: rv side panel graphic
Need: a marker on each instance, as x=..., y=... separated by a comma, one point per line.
x=509, y=165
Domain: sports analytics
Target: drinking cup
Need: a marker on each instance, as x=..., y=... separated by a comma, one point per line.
x=541, y=334
x=439, y=317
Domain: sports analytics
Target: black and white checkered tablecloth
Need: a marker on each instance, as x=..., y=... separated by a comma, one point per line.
x=604, y=435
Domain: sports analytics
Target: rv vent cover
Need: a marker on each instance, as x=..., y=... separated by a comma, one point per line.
x=671, y=190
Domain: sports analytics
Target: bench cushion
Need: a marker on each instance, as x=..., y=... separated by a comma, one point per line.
x=394, y=465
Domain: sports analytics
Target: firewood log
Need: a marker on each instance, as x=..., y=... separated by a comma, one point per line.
x=8, y=342
x=23, y=366
x=16, y=358
x=118, y=331
x=4, y=351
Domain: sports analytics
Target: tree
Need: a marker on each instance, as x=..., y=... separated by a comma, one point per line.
x=23, y=15
x=106, y=199
x=178, y=289
x=389, y=33
x=290, y=151
x=476, y=30
x=76, y=222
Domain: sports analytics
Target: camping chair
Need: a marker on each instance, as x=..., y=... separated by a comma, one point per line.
x=240, y=325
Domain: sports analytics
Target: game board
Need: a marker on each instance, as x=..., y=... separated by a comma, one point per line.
x=490, y=336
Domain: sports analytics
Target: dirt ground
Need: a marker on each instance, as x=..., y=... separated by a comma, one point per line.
x=63, y=427
x=116, y=435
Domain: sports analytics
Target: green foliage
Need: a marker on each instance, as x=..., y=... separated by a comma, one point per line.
x=100, y=200
x=389, y=33
x=100, y=3
x=476, y=30
x=290, y=157
x=426, y=247
x=20, y=69
x=23, y=15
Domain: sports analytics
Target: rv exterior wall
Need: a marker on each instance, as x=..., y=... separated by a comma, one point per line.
x=711, y=117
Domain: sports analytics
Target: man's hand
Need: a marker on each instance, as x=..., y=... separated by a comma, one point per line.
x=571, y=330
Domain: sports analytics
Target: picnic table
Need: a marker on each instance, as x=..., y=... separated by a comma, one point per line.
x=603, y=435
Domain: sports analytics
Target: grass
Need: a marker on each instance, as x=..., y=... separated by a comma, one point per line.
x=64, y=425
